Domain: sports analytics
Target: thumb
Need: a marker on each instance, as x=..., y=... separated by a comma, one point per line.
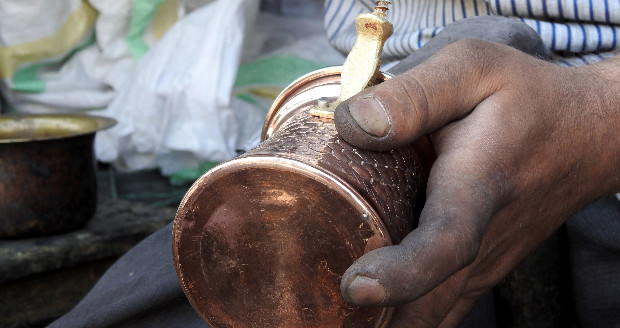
x=423, y=99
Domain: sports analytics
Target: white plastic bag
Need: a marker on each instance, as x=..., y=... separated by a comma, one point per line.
x=175, y=110
x=73, y=55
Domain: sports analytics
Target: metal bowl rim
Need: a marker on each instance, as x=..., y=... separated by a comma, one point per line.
x=101, y=121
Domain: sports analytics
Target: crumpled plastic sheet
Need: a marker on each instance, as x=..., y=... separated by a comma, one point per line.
x=185, y=110
x=175, y=110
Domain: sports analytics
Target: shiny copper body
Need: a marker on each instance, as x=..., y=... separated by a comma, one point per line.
x=263, y=240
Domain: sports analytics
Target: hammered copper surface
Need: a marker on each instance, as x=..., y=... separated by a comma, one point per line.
x=263, y=240
x=390, y=181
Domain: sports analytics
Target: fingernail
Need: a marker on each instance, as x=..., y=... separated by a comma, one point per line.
x=365, y=291
x=371, y=116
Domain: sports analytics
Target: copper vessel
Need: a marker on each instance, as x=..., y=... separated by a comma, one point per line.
x=263, y=240
x=47, y=173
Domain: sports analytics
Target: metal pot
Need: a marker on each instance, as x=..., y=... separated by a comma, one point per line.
x=47, y=173
x=263, y=240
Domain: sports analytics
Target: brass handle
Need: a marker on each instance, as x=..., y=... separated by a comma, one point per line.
x=362, y=63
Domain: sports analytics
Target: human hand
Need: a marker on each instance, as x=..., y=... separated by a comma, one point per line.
x=521, y=144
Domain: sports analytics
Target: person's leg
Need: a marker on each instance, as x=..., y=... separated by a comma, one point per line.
x=140, y=290
x=482, y=315
x=594, y=235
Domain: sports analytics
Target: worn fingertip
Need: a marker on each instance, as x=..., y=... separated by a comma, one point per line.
x=347, y=127
x=363, y=291
x=350, y=130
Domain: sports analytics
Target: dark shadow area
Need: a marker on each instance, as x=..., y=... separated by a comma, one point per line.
x=42, y=278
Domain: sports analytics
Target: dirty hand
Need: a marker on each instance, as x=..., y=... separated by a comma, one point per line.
x=521, y=145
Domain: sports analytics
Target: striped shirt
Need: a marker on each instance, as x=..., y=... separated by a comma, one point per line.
x=577, y=31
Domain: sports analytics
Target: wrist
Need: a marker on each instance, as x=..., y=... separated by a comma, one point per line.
x=605, y=85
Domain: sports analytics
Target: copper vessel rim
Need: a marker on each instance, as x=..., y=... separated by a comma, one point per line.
x=295, y=85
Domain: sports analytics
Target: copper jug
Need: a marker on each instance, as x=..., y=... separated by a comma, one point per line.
x=263, y=240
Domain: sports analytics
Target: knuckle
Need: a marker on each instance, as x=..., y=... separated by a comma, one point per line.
x=416, y=98
x=473, y=51
x=480, y=58
x=405, y=101
x=469, y=240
